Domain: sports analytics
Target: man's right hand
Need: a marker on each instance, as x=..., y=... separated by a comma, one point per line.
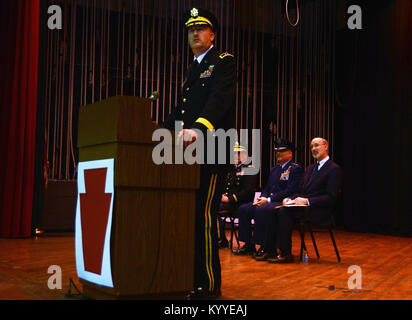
x=186, y=137
x=260, y=201
x=286, y=200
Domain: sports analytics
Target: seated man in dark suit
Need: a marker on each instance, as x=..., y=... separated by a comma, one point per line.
x=239, y=189
x=320, y=188
x=284, y=180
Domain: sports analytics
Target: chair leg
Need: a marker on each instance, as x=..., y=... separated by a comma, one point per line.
x=234, y=232
x=231, y=234
x=302, y=239
x=334, y=243
x=314, y=242
x=220, y=232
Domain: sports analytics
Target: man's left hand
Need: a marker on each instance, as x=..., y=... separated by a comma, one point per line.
x=224, y=199
x=301, y=201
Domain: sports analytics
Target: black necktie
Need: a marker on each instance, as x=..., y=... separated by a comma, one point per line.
x=314, y=172
x=193, y=69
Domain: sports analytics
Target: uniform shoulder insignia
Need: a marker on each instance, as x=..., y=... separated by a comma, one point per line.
x=225, y=54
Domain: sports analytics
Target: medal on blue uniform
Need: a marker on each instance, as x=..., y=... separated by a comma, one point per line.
x=285, y=174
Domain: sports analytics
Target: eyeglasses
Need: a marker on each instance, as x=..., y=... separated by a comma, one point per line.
x=316, y=145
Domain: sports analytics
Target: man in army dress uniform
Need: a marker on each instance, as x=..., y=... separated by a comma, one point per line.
x=284, y=180
x=240, y=189
x=206, y=103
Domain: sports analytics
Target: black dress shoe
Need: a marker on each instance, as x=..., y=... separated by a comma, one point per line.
x=203, y=294
x=282, y=259
x=244, y=251
x=223, y=244
x=258, y=253
x=266, y=256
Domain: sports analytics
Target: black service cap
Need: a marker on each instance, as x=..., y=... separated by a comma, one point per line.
x=284, y=144
x=197, y=16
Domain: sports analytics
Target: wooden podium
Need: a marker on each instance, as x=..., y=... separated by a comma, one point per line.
x=152, y=217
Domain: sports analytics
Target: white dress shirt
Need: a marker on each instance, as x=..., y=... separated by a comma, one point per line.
x=322, y=162
x=200, y=58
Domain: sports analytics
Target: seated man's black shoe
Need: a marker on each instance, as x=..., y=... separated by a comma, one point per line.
x=258, y=253
x=266, y=256
x=244, y=251
x=203, y=294
x=223, y=243
x=282, y=259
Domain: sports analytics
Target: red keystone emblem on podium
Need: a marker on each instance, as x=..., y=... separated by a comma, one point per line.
x=94, y=208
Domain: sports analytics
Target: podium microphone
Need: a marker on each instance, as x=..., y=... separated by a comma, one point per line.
x=154, y=96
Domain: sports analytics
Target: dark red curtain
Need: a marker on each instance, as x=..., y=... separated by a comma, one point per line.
x=18, y=102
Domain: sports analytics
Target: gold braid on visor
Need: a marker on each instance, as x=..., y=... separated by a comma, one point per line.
x=198, y=20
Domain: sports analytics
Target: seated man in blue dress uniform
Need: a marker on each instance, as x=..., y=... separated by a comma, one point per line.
x=284, y=180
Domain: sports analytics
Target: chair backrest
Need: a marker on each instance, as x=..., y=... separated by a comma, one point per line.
x=336, y=205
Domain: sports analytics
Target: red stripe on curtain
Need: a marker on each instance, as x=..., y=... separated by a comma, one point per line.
x=20, y=30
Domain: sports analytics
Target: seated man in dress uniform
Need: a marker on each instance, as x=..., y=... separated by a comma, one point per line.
x=284, y=180
x=240, y=188
x=320, y=189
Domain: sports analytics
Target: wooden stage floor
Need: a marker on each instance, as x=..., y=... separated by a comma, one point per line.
x=385, y=262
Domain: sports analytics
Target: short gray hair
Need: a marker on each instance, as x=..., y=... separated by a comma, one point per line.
x=323, y=140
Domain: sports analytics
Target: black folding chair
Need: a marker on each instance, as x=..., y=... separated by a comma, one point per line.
x=232, y=215
x=304, y=223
